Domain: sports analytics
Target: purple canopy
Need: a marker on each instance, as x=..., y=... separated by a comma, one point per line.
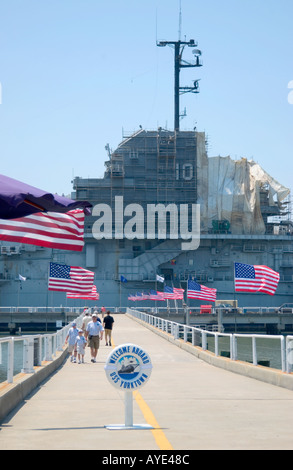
x=18, y=199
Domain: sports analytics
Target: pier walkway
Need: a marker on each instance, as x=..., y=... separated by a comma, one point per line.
x=190, y=404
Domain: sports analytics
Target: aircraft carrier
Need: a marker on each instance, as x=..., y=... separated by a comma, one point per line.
x=164, y=207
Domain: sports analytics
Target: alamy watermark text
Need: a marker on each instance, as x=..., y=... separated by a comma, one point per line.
x=159, y=221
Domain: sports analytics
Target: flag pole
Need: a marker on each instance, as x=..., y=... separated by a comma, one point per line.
x=19, y=281
x=235, y=311
x=156, y=292
x=187, y=319
x=120, y=295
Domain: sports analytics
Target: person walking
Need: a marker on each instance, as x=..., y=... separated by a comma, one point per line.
x=103, y=311
x=94, y=330
x=108, y=326
x=80, y=343
x=70, y=339
x=96, y=312
x=85, y=321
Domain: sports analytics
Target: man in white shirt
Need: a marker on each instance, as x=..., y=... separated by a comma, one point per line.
x=85, y=321
x=93, y=330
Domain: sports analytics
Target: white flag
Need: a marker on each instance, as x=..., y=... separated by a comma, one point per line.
x=160, y=278
x=21, y=278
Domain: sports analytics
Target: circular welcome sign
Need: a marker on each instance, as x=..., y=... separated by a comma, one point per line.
x=128, y=367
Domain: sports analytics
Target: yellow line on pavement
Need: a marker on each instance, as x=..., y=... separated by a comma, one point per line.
x=158, y=434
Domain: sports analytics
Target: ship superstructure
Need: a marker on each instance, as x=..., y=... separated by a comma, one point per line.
x=241, y=212
x=159, y=190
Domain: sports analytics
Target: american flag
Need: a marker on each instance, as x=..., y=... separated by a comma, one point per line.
x=255, y=278
x=154, y=295
x=132, y=297
x=179, y=292
x=173, y=293
x=49, y=229
x=135, y=297
x=70, y=279
x=196, y=291
x=94, y=295
x=145, y=296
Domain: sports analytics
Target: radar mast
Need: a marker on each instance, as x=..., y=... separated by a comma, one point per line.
x=179, y=63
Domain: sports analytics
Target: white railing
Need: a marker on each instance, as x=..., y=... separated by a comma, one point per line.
x=245, y=347
x=31, y=350
x=68, y=310
x=72, y=311
x=289, y=354
x=215, y=309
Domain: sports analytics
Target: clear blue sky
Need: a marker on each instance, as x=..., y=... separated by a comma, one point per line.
x=75, y=74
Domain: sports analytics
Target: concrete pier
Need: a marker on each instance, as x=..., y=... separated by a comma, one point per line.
x=189, y=403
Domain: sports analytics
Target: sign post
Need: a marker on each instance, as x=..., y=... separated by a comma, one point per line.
x=128, y=368
x=128, y=402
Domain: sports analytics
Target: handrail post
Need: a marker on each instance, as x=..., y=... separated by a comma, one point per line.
x=39, y=350
x=48, y=349
x=176, y=330
x=59, y=341
x=235, y=348
x=185, y=334
x=216, y=344
x=289, y=353
x=254, y=351
x=10, y=364
x=231, y=348
x=193, y=336
x=172, y=328
x=53, y=344
x=204, y=340
x=28, y=355
x=283, y=354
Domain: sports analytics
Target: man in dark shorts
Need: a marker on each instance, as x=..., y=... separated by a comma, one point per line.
x=108, y=325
